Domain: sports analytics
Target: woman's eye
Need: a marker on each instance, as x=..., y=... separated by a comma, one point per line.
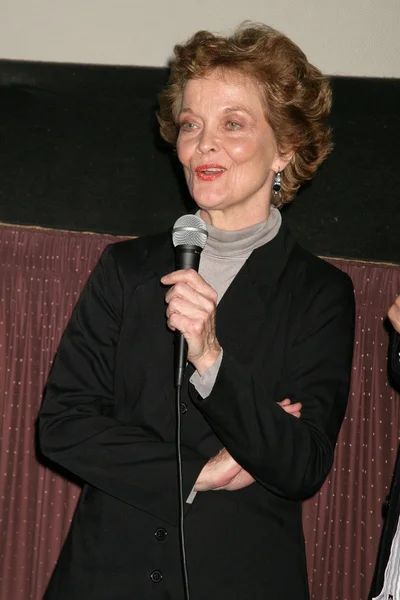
x=187, y=126
x=233, y=125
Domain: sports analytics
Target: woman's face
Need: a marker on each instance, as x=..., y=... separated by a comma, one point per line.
x=227, y=149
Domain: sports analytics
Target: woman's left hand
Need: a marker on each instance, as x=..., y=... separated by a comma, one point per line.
x=191, y=310
x=222, y=472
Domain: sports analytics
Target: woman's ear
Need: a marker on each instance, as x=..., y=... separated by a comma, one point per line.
x=282, y=160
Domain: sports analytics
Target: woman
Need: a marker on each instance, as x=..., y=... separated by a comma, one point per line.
x=248, y=116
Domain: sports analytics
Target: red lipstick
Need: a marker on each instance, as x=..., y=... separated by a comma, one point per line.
x=209, y=172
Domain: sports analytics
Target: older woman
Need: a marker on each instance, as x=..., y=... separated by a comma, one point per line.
x=264, y=321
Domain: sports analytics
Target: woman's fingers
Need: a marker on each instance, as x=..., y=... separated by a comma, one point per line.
x=191, y=297
x=292, y=409
x=188, y=281
x=241, y=480
x=218, y=472
x=189, y=306
x=191, y=310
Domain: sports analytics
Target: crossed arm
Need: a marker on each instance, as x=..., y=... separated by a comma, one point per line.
x=222, y=472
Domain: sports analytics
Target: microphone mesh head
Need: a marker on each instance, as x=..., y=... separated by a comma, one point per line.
x=190, y=230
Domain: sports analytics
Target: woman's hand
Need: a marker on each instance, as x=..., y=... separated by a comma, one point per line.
x=394, y=314
x=219, y=472
x=291, y=409
x=191, y=310
x=222, y=472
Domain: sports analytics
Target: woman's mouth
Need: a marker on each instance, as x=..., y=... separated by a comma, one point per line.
x=209, y=172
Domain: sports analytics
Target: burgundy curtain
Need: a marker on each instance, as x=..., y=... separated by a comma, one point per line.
x=343, y=522
x=42, y=273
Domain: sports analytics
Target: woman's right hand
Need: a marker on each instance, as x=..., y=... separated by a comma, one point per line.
x=222, y=472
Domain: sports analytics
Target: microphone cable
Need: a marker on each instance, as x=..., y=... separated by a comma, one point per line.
x=189, y=236
x=180, y=493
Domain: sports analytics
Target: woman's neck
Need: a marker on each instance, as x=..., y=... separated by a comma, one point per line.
x=233, y=220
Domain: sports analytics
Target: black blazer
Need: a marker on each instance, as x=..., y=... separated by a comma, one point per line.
x=392, y=503
x=286, y=326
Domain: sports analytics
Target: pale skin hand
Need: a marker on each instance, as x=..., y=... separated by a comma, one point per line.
x=191, y=310
x=394, y=314
x=222, y=472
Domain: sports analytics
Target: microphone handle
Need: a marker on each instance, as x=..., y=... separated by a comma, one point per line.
x=186, y=257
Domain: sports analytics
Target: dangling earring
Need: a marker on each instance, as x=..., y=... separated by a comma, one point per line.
x=276, y=186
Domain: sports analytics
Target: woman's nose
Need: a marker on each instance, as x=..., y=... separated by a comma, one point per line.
x=207, y=141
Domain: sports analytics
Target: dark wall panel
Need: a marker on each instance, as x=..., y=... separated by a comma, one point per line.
x=79, y=149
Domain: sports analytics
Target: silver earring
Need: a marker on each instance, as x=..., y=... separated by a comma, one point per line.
x=276, y=186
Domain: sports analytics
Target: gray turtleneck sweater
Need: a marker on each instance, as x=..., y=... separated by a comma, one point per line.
x=223, y=256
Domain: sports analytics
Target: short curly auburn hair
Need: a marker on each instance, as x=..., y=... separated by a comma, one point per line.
x=297, y=96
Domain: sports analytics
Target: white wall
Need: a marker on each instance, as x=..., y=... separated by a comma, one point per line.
x=348, y=37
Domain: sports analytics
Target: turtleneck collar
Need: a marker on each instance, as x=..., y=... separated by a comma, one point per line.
x=221, y=243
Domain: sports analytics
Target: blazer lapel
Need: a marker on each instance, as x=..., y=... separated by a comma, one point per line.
x=246, y=311
x=145, y=319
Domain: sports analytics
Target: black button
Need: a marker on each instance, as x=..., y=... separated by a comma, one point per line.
x=161, y=534
x=156, y=576
x=183, y=408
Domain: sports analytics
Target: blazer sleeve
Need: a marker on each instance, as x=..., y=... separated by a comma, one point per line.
x=77, y=425
x=290, y=456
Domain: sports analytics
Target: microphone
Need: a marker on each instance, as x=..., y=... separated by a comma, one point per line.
x=189, y=236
